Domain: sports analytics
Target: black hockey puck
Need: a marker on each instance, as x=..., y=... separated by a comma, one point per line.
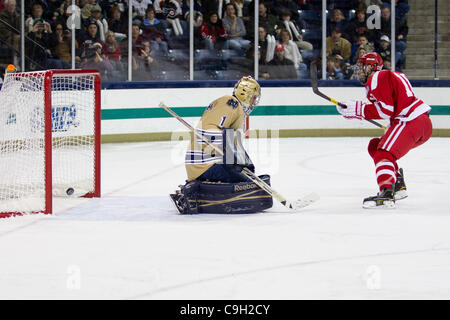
x=70, y=191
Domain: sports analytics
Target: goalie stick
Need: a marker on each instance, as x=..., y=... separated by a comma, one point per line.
x=315, y=87
x=296, y=205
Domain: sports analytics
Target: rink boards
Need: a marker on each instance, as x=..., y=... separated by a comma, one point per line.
x=130, y=114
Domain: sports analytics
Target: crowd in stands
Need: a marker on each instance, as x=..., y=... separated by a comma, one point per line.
x=289, y=37
x=349, y=39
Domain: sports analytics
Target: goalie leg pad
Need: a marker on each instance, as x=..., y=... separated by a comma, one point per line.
x=225, y=198
x=223, y=173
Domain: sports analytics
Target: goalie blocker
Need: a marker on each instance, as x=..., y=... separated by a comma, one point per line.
x=223, y=188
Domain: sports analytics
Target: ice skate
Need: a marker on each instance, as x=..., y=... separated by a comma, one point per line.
x=384, y=199
x=400, y=186
x=178, y=201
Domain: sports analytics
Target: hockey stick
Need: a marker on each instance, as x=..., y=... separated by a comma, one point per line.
x=315, y=87
x=298, y=204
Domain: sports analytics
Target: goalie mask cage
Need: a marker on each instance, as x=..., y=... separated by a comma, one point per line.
x=49, y=139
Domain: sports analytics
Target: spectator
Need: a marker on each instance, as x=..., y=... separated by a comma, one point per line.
x=36, y=13
x=39, y=40
x=353, y=70
x=112, y=49
x=210, y=6
x=280, y=67
x=362, y=42
x=102, y=24
x=294, y=31
x=338, y=45
x=385, y=50
x=52, y=12
x=136, y=40
x=248, y=67
x=279, y=7
x=248, y=11
x=143, y=62
x=186, y=6
x=117, y=23
x=122, y=5
x=239, y=5
x=86, y=9
x=401, y=8
x=9, y=39
x=95, y=59
x=198, y=16
x=64, y=12
x=90, y=36
x=337, y=21
x=154, y=31
x=358, y=26
x=62, y=39
x=66, y=4
x=386, y=53
x=87, y=39
x=291, y=51
x=266, y=44
x=235, y=29
x=82, y=3
x=334, y=71
x=150, y=21
x=401, y=30
x=140, y=7
x=169, y=11
x=266, y=20
x=213, y=34
x=29, y=5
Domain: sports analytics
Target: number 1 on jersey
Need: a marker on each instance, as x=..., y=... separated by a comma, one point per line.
x=222, y=121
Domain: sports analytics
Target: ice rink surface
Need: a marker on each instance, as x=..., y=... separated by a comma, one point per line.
x=131, y=243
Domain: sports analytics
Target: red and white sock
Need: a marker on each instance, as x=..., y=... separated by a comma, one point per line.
x=385, y=165
x=386, y=173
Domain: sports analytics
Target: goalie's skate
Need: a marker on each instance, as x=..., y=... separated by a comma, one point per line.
x=384, y=199
x=178, y=201
x=400, y=186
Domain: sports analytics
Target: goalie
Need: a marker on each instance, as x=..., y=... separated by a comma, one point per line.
x=215, y=182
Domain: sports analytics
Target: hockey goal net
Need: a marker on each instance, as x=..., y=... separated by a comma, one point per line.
x=49, y=139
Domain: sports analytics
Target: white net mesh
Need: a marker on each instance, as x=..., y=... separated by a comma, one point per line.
x=22, y=153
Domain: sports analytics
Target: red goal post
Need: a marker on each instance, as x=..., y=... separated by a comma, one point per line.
x=49, y=139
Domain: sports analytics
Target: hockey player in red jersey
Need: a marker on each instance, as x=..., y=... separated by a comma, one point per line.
x=391, y=97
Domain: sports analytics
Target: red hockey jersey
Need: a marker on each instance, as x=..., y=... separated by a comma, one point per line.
x=392, y=97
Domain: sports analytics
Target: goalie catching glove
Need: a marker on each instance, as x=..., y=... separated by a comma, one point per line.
x=354, y=110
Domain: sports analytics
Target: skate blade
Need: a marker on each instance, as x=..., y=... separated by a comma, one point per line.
x=387, y=204
x=171, y=196
x=401, y=194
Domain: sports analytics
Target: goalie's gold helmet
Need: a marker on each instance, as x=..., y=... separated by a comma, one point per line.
x=248, y=91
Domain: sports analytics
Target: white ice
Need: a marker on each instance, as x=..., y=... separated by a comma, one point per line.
x=131, y=243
